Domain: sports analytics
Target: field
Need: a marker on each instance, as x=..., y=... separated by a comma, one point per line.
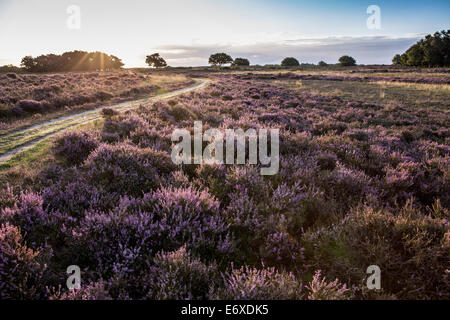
x=363, y=180
x=31, y=98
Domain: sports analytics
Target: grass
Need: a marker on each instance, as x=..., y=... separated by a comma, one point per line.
x=22, y=168
x=409, y=94
x=163, y=83
x=15, y=139
x=25, y=163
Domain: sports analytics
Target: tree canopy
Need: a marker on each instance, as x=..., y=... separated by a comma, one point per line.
x=156, y=61
x=290, y=62
x=72, y=61
x=241, y=62
x=347, y=61
x=219, y=59
x=432, y=51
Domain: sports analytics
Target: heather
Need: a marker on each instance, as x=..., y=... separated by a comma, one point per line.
x=360, y=183
x=329, y=77
x=26, y=95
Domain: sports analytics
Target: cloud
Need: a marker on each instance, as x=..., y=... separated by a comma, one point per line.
x=365, y=49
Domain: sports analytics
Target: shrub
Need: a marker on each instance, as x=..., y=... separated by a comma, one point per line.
x=265, y=284
x=30, y=106
x=326, y=161
x=21, y=268
x=75, y=146
x=30, y=217
x=241, y=62
x=290, y=62
x=93, y=291
x=319, y=289
x=126, y=169
x=410, y=249
x=178, y=276
x=109, y=112
x=347, y=61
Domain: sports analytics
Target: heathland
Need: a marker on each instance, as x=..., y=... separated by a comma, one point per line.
x=363, y=180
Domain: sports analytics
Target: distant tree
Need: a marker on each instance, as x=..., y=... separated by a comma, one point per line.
x=9, y=68
x=397, y=60
x=218, y=59
x=156, y=61
x=322, y=64
x=72, y=61
x=28, y=64
x=432, y=51
x=241, y=62
x=290, y=62
x=347, y=61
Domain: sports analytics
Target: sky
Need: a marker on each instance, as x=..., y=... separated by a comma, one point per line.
x=186, y=32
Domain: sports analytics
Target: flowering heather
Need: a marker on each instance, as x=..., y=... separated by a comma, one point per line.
x=292, y=76
x=28, y=94
x=359, y=184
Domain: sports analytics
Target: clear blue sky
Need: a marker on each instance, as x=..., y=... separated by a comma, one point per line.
x=185, y=32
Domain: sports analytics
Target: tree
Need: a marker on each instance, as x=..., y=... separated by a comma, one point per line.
x=218, y=59
x=432, y=51
x=347, y=61
x=72, y=61
x=241, y=62
x=28, y=64
x=322, y=64
x=290, y=62
x=397, y=60
x=156, y=61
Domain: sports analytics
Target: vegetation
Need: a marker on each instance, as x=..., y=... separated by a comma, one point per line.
x=432, y=51
x=10, y=69
x=219, y=59
x=72, y=61
x=290, y=62
x=347, y=61
x=241, y=62
x=322, y=64
x=28, y=98
x=156, y=61
x=358, y=185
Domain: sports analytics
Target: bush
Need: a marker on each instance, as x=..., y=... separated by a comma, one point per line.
x=178, y=276
x=319, y=289
x=290, y=62
x=21, y=268
x=125, y=169
x=241, y=62
x=29, y=215
x=75, y=146
x=411, y=250
x=347, y=61
x=30, y=106
x=253, y=284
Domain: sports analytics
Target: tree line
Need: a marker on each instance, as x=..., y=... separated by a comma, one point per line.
x=432, y=51
x=99, y=61
x=219, y=59
x=72, y=61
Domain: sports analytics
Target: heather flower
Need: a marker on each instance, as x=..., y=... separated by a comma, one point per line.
x=320, y=289
x=21, y=268
x=126, y=169
x=75, y=146
x=179, y=276
x=265, y=284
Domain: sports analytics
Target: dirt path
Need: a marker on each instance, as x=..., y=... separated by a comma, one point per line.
x=24, y=139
